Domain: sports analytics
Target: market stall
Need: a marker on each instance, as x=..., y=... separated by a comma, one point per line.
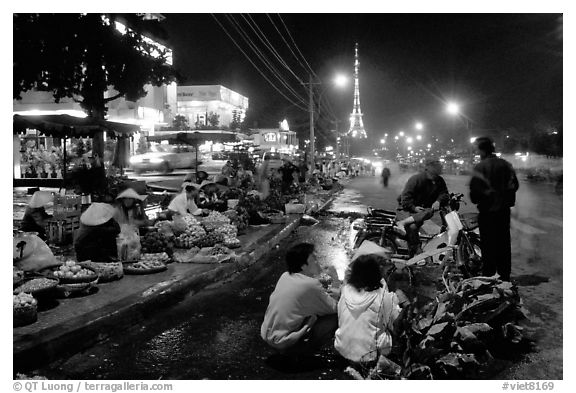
x=44, y=146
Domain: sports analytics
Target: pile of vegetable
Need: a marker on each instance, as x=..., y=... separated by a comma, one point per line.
x=155, y=242
x=214, y=220
x=456, y=336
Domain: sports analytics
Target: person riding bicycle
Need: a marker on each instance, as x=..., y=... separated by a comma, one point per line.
x=423, y=194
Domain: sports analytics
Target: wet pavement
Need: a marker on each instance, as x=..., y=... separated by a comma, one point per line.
x=213, y=334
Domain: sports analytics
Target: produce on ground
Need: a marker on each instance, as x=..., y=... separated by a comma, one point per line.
x=458, y=335
x=154, y=242
x=214, y=220
x=160, y=256
x=210, y=240
x=146, y=265
x=190, y=236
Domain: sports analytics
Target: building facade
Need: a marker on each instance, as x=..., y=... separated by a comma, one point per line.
x=198, y=103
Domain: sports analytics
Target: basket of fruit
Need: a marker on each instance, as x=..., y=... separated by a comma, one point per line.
x=71, y=272
x=144, y=267
x=36, y=286
x=107, y=271
x=25, y=309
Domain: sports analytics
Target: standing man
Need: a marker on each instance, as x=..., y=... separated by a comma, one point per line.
x=385, y=176
x=423, y=194
x=493, y=189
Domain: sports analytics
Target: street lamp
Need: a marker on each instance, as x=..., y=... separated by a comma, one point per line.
x=339, y=80
x=419, y=126
x=453, y=108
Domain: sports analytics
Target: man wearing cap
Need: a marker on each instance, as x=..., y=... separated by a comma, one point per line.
x=423, y=194
x=129, y=209
x=185, y=203
x=493, y=189
x=35, y=216
x=96, y=238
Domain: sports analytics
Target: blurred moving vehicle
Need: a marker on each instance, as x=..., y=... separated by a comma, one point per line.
x=165, y=158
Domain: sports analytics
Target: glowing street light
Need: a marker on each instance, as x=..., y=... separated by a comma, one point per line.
x=341, y=80
x=453, y=108
x=396, y=137
x=409, y=139
x=419, y=137
x=382, y=141
x=419, y=126
x=401, y=133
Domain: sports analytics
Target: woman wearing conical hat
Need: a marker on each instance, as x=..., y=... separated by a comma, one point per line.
x=96, y=238
x=35, y=216
x=129, y=208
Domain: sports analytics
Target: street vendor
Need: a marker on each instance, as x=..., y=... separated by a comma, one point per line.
x=130, y=209
x=185, y=202
x=96, y=238
x=35, y=216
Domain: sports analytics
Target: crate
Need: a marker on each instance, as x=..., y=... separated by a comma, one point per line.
x=67, y=206
x=62, y=231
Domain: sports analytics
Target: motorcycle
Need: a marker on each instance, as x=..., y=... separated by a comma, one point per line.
x=459, y=232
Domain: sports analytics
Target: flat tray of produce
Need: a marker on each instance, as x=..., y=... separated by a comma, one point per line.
x=36, y=285
x=144, y=267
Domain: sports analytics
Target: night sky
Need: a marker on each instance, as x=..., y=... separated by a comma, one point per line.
x=504, y=69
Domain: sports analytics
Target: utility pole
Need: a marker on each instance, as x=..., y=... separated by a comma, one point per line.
x=311, y=109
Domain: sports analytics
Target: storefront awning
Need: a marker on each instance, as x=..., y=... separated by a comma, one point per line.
x=192, y=137
x=60, y=126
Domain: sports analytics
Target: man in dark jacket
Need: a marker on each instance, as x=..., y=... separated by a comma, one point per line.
x=423, y=194
x=493, y=189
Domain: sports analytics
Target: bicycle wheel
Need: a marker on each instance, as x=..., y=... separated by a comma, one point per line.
x=469, y=256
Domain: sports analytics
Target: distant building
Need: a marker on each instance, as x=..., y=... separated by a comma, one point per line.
x=275, y=140
x=197, y=103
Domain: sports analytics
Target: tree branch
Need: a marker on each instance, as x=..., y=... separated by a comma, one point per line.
x=113, y=97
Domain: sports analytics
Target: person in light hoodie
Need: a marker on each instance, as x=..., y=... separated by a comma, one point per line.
x=366, y=313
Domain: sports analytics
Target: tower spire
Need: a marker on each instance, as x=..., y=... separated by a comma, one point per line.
x=356, y=124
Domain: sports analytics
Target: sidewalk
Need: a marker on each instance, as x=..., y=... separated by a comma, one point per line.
x=74, y=324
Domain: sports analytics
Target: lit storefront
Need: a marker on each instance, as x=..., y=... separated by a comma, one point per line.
x=199, y=103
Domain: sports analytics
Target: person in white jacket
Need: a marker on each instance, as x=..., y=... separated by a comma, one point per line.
x=301, y=316
x=366, y=313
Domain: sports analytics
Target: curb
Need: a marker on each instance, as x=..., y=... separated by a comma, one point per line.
x=84, y=331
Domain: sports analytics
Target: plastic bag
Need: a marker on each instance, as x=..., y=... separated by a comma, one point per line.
x=30, y=253
x=128, y=243
x=178, y=225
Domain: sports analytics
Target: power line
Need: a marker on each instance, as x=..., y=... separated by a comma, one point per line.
x=255, y=66
x=263, y=58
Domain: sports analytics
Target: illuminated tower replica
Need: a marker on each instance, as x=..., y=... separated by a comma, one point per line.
x=356, y=125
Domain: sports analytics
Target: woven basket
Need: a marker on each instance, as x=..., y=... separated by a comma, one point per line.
x=107, y=271
x=74, y=288
x=80, y=280
x=25, y=315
